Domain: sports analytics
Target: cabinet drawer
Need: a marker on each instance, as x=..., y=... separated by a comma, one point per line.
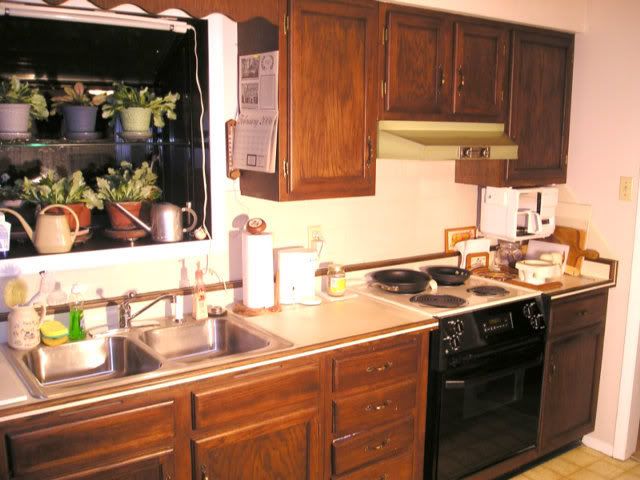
x=395, y=468
x=373, y=408
x=109, y=438
x=373, y=367
x=256, y=395
x=573, y=313
x=354, y=451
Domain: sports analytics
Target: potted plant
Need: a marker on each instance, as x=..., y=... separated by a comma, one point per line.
x=71, y=191
x=137, y=107
x=79, y=109
x=18, y=104
x=129, y=188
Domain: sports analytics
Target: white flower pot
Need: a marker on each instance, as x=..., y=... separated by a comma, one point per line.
x=135, y=119
x=14, y=117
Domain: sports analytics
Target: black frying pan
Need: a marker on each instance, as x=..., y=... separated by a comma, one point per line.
x=400, y=280
x=448, y=275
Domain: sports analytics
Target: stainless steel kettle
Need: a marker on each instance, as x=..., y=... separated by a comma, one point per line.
x=166, y=221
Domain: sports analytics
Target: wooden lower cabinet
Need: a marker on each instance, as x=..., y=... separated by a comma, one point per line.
x=281, y=448
x=572, y=369
x=160, y=467
x=377, y=408
x=351, y=413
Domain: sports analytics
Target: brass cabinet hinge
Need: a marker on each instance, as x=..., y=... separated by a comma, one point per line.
x=285, y=167
x=566, y=160
x=504, y=48
x=286, y=24
x=385, y=35
x=502, y=96
x=384, y=88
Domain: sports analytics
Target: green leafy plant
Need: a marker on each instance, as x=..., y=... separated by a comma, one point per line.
x=76, y=95
x=128, y=185
x=125, y=96
x=14, y=91
x=9, y=189
x=50, y=189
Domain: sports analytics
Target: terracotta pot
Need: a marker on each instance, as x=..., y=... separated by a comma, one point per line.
x=119, y=221
x=136, y=119
x=81, y=210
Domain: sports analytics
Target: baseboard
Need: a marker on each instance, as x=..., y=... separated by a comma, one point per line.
x=599, y=445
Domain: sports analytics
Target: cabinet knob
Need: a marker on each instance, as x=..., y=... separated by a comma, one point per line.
x=384, y=444
x=381, y=368
x=443, y=79
x=461, y=81
x=369, y=151
x=203, y=471
x=376, y=408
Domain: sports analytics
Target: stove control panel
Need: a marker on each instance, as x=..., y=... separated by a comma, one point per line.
x=532, y=312
x=454, y=328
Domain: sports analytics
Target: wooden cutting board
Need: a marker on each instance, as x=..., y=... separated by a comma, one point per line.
x=576, y=239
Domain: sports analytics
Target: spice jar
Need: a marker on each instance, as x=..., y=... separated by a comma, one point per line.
x=337, y=282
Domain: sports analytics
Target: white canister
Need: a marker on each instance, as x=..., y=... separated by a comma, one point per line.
x=24, y=326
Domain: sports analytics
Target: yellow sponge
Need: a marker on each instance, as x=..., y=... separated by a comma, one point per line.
x=53, y=333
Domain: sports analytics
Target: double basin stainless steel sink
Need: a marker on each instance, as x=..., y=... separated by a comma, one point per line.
x=129, y=355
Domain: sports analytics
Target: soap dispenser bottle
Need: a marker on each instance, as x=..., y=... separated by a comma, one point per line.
x=76, y=313
x=199, y=297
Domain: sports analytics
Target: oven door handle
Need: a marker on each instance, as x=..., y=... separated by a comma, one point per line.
x=470, y=379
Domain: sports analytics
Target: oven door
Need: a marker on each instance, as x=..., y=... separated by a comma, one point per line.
x=489, y=410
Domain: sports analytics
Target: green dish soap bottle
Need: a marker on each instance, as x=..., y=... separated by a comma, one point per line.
x=76, y=314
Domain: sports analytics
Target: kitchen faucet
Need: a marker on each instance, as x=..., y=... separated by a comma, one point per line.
x=124, y=311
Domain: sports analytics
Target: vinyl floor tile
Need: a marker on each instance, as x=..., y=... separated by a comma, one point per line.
x=582, y=463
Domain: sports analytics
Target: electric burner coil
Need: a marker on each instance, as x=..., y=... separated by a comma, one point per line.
x=438, y=300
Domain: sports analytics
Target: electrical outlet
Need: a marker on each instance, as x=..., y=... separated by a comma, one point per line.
x=626, y=188
x=314, y=235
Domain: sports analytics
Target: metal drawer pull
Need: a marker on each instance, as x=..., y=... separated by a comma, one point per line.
x=381, y=368
x=384, y=444
x=384, y=476
x=203, y=470
x=581, y=313
x=376, y=408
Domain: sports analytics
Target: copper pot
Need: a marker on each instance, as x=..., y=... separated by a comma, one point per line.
x=120, y=221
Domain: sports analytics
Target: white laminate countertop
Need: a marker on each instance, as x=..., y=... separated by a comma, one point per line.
x=310, y=329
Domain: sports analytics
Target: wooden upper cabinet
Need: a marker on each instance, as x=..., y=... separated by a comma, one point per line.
x=538, y=121
x=480, y=70
x=436, y=66
x=540, y=105
x=332, y=118
x=417, y=63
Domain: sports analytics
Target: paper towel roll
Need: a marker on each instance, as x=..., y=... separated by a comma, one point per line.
x=257, y=270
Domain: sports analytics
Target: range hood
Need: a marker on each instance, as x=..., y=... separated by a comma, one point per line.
x=444, y=141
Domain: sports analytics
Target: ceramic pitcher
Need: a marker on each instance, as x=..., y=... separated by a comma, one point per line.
x=24, y=326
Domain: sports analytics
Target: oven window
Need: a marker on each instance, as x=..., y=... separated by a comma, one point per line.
x=488, y=414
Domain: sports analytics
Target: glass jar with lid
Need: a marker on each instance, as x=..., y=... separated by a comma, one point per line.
x=336, y=280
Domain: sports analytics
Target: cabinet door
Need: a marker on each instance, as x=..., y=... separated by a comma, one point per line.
x=278, y=449
x=540, y=104
x=332, y=121
x=480, y=70
x=156, y=468
x=417, y=65
x=570, y=393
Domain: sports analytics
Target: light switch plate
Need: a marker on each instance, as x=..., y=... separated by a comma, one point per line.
x=626, y=189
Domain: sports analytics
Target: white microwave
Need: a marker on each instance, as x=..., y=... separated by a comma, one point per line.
x=517, y=214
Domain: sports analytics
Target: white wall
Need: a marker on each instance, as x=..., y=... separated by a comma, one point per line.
x=604, y=121
x=568, y=15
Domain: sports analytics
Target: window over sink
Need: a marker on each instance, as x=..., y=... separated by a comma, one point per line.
x=50, y=54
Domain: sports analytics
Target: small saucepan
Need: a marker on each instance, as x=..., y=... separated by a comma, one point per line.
x=402, y=280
